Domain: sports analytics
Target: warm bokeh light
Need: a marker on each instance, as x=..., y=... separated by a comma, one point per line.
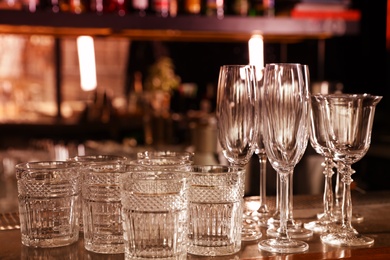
x=86, y=54
x=256, y=50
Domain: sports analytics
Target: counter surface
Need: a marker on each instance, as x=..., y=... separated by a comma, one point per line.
x=374, y=206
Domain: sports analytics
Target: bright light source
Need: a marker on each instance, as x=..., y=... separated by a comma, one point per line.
x=86, y=54
x=256, y=51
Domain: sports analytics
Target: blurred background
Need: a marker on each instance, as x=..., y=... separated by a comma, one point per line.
x=161, y=94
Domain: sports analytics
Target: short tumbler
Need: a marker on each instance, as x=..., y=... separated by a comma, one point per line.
x=154, y=209
x=215, y=210
x=103, y=232
x=83, y=162
x=48, y=194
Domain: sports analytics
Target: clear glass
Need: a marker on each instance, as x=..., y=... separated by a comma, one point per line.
x=237, y=125
x=356, y=216
x=49, y=194
x=215, y=205
x=184, y=155
x=348, y=120
x=162, y=164
x=82, y=162
x=318, y=142
x=294, y=227
x=155, y=213
x=285, y=130
x=103, y=231
x=261, y=213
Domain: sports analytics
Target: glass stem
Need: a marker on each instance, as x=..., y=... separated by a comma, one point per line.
x=328, y=193
x=284, y=203
x=346, y=207
x=263, y=185
x=277, y=198
x=290, y=216
x=338, y=187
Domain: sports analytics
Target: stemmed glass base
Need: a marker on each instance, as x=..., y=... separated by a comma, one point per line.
x=250, y=230
x=356, y=217
x=250, y=226
x=319, y=226
x=293, y=231
x=279, y=245
x=347, y=237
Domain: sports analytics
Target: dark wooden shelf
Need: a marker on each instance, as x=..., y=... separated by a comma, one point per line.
x=180, y=28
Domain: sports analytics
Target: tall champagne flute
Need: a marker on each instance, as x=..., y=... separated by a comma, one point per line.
x=294, y=227
x=318, y=142
x=348, y=120
x=236, y=123
x=257, y=206
x=285, y=130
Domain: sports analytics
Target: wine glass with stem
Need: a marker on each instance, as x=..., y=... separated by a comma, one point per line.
x=256, y=207
x=285, y=130
x=317, y=137
x=326, y=87
x=236, y=123
x=294, y=227
x=348, y=123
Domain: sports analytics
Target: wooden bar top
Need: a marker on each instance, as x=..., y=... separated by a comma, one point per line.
x=374, y=206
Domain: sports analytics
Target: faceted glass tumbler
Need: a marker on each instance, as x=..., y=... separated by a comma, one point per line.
x=48, y=194
x=154, y=210
x=215, y=210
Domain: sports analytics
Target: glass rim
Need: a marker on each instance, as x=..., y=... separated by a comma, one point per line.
x=43, y=165
x=97, y=158
x=220, y=169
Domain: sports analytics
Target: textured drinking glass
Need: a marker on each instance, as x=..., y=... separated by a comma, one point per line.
x=103, y=232
x=82, y=162
x=215, y=210
x=237, y=124
x=154, y=210
x=348, y=123
x=48, y=194
x=285, y=130
x=160, y=164
x=163, y=154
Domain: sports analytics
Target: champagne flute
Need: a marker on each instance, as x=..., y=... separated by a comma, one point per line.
x=236, y=123
x=294, y=227
x=348, y=124
x=285, y=130
x=257, y=207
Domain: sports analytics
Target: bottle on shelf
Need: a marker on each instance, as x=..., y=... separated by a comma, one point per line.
x=139, y=7
x=192, y=7
x=262, y=8
x=108, y=6
x=214, y=8
x=31, y=5
x=160, y=7
x=237, y=7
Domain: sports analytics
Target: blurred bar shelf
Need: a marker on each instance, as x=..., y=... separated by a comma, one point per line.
x=180, y=28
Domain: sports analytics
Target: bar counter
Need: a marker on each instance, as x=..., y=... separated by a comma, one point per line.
x=374, y=206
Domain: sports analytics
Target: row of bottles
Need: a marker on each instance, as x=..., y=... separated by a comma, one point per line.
x=164, y=8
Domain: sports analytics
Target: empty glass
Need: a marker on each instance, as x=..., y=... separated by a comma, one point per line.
x=318, y=142
x=49, y=194
x=348, y=123
x=285, y=130
x=154, y=211
x=237, y=124
x=215, y=206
